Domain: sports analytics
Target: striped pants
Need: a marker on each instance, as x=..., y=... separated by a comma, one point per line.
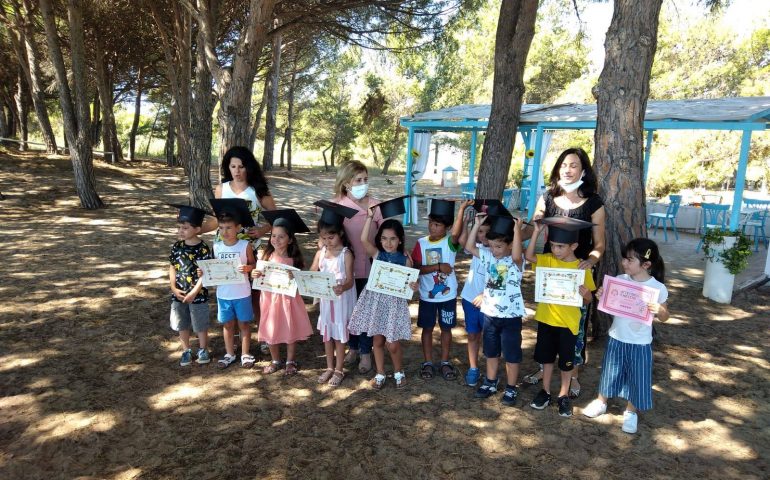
x=627, y=373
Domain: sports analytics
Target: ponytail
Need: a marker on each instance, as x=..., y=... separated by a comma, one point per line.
x=646, y=251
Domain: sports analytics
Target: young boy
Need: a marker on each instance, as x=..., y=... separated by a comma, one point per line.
x=189, y=300
x=434, y=255
x=234, y=301
x=502, y=305
x=558, y=325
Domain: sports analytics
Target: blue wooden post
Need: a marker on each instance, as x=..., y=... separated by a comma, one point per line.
x=647, y=151
x=526, y=135
x=740, y=180
x=408, y=183
x=472, y=166
x=536, y=167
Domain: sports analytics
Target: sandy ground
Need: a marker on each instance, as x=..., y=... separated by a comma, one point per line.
x=90, y=386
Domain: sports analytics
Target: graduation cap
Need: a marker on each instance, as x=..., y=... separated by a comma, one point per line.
x=192, y=215
x=237, y=208
x=443, y=209
x=491, y=206
x=392, y=207
x=564, y=229
x=334, y=213
x=287, y=218
x=501, y=224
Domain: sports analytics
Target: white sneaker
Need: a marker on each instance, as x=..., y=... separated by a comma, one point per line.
x=595, y=408
x=630, y=420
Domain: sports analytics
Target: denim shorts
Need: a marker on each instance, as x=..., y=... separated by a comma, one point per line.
x=446, y=312
x=502, y=334
x=239, y=309
x=474, y=319
x=189, y=315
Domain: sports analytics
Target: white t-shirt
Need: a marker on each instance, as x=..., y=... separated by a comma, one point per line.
x=628, y=330
x=224, y=252
x=474, y=283
x=436, y=286
x=502, y=287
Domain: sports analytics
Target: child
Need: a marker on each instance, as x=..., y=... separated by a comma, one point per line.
x=434, y=255
x=189, y=299
x=627, y=364
x=334, y=255
x=502, y=305
x=471, y=294
x=234, y=301
x=385, y=317
x=283, y=319
x=558, y=325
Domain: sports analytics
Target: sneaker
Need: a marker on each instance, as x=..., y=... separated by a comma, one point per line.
x=630, y=420
x=472, y=377
x=186, y=358
x=542, y=400
x=509, y=396
x=595, y=408
x=203, y=356
x=487, y=389
x=565, y=406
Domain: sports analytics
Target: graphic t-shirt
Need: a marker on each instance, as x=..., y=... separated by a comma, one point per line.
x=436, y=286
x=474, y=282
x=502, y=286
x=226, y=252
x=184, y=259
x=561, y=315
x=628, y=330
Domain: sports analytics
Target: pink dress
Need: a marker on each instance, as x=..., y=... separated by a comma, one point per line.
x=335, y=314
x=283, y=319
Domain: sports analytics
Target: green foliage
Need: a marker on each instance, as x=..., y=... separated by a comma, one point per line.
x=735, y=258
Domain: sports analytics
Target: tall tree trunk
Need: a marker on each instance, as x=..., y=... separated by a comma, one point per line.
x=75, y=113
x=374, y=152
x=260, y=111
x=96, y=124
x=169, y=149
x=3, y=123
x=200, y=132
x=326, y=163
x=22, y=105
x=621, y=101
x=515, y=29
x=272, y=105
x=137, y=112
x=283, y=149
x=393, y=149
x=110, y=143
x=290, y=114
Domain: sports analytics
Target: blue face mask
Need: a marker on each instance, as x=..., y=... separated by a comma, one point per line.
x=359, y=191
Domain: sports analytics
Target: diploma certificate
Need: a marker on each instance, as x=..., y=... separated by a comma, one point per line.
x=221, y=272
x=559, y=286
x=627, y=298
x=275, y=278
x=316, y=284
x=392, y=279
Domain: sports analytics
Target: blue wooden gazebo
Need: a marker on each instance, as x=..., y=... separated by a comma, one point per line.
x=746, y=114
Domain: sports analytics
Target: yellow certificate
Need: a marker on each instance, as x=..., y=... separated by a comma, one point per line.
x=275, y=278
x=559, y=286
x=392, y=279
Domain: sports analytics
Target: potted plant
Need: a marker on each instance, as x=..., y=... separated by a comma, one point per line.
x=727, y=254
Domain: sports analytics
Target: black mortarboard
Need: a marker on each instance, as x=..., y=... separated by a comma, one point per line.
x=393, y=207
x=192, y=215
x=287, y=218
x=502, y=224
x=564, y=229
x=334, y=213
x=491, y=206
x=443, y=209
x=237, y=208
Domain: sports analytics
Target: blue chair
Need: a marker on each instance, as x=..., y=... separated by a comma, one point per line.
x=714, y=216
x=757, y=221
x=669, y=216
x=507, y=197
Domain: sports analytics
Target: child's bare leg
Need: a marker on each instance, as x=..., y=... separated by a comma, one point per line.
x=492, y=364
x=427, y=344
x=512, y=372
x=245, y=329
x=564, y=387
x=291, y=349
x=228, y=332
x=339, y=349
x=203, y=339
x=275, y=352
x=547, y=374
x=378, y=348
x=474, y=340
x=446, y=343
x=184, y=339
x=329, y=351
x=396, y=355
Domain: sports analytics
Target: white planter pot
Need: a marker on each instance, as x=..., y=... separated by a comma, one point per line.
x=718, y=281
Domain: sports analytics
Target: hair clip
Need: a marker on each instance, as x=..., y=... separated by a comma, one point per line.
x=647, y=254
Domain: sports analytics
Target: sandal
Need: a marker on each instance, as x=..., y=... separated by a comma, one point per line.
x=574, y=392
x=272, y=367
x=448, y=371
x=336, y=378
x=365, y=363
x=426, y=371
x=291, y=368
x=225, y=361
x=534, y=377
x=400, y=379
x=378, y=381
x=324, y=377
x=247, y=361
x=351, y=357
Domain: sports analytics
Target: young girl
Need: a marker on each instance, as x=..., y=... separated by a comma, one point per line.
x=627, y=364
x=335, y=256
x=283, y=319
x=384, y=316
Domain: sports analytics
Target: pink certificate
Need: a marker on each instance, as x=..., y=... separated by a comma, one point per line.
x=627, y=298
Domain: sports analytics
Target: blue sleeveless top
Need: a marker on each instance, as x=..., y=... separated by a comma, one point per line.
x=395, y=257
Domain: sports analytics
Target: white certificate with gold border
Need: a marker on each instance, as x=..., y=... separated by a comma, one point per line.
x=392, y=279
x=316, y=284
x=221, y=272
x=559, y=286
x=275, y=278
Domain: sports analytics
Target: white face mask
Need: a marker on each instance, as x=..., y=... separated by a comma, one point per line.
x=570, y=187
x=359, y=191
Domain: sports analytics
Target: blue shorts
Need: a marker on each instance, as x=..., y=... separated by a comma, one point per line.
x=627, y=373
x=502, y=334
x=239, y=309
x=445, y=312
x=474, y=319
